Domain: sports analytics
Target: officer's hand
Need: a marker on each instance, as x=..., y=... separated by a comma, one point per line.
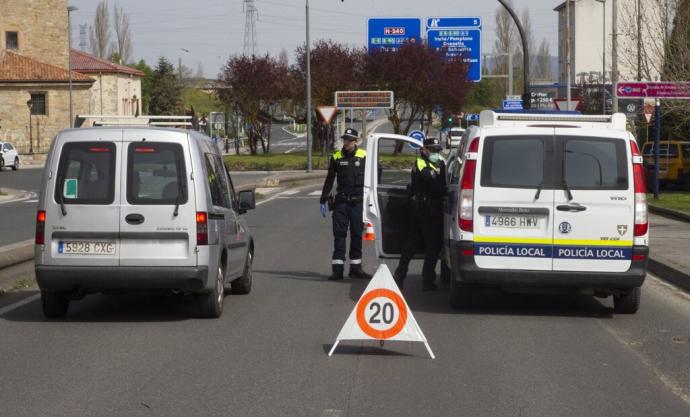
x=324, y=210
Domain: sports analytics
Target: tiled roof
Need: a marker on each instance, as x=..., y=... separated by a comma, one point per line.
x=15, y=67
x=87, y=63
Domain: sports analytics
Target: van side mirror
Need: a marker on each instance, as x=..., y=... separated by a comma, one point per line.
x=247, y=201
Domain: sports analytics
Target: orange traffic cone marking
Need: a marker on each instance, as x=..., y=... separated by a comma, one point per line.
x=369, y=233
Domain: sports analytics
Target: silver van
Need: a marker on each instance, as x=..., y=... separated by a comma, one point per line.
x=140, y=208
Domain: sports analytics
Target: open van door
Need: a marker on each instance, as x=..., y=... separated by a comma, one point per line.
x=389, y=161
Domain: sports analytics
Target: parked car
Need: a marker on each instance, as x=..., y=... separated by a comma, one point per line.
x=453, y=137
x=536, y=202
x=674, y=162
x=140, y=208
x=8, y=156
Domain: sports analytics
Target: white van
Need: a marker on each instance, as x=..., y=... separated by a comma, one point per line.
x=129, y=208
x=536, y=202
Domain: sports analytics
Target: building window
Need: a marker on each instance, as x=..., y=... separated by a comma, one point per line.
x=38, y=104
x=12, y=40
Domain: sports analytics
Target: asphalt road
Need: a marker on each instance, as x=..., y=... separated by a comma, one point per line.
x=17, y=218
x=511, y=355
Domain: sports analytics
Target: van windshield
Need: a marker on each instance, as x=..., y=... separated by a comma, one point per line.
x=86, y=174
x=156, y=174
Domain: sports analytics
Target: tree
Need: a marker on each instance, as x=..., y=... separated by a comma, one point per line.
x=542, y=64
x=252, y=84
x=676, y=67
x=146, y=83
x=99, y=35
x=122, y=46
x=166, y=90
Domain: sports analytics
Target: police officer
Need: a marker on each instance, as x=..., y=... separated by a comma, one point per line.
x=427, y=188
x=347, y=165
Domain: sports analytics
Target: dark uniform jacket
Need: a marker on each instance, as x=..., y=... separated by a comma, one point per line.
x=428, y=185
x=348, y=167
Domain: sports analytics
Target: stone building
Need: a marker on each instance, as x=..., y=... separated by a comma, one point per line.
x=33, y=69
x=117, y=88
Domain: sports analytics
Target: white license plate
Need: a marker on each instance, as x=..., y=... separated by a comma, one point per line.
x=86, y=247
x=512, y=222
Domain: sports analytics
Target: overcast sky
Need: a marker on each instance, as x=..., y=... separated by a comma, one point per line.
x=213, y=30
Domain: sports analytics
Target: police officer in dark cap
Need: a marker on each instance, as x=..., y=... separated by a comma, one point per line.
x=347, y=165
x=427, y=189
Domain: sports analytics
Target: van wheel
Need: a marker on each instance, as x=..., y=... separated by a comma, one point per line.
x=243, y=284
x=54, y=304
x=16, y=164
x=2, y=163
x=212, y=303
x=627, y=303
x=460, y=294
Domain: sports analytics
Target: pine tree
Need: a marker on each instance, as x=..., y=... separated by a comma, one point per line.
x=166, y=90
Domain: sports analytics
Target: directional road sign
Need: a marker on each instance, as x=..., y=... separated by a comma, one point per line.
x=420, y=136
x=512, y=104
x=391, y=33
x=461, y=37
x=666, y=90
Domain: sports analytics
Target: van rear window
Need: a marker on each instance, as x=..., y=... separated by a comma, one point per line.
x=156, y=174
x=86, y=173
x=514, y=162
x=596, y=164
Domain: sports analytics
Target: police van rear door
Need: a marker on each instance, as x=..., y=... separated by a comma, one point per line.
x=593, y=230
x=389, y=161
x=513, y=199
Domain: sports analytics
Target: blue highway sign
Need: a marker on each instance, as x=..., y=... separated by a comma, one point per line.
x=512, y=104
x=460, y=36
x=391, y=33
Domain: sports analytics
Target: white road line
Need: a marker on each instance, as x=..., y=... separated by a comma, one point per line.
x=31, y=201
x=18, y=304
x=290, y=192
x=317, y=192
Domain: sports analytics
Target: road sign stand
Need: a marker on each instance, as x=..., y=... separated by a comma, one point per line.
x=381, y=313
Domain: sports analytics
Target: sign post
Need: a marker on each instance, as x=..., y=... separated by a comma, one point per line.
x=459, y=37
x=363, y=100
x=657, y=136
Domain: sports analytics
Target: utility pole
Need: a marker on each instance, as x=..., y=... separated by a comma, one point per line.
x=567, y=52
x=70, y=9
x=639, y=41
x=308, y=91
x=614, y=52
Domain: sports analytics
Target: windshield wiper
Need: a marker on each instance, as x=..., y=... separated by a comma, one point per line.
x=180, y=188
x=565, y=182
x=541, y=185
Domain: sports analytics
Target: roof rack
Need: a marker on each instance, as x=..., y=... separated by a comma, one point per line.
x=184, y=122
x=615, y=121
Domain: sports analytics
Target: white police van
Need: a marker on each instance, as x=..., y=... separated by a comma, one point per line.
x=537, y=201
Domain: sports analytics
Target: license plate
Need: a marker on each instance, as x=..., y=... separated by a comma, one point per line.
x=512, y=222
x=86, y=247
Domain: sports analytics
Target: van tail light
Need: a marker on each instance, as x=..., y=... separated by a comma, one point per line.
x=201, y=228
x=640, y=186
x=40, y=227
x=466, y=195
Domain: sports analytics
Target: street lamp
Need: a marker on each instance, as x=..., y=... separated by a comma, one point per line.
x=603, y=57
x=29, y=104
x=70, y=9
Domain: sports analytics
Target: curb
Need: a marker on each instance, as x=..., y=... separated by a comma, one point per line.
x=667, y=273
x=16, y=253
x=670, y=213
x=274, y=181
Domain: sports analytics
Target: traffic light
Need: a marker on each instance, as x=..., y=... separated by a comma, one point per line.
x=448, y=121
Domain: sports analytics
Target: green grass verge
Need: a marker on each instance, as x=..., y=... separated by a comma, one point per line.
x=298, y=161
x=203, y=102
x=672, y=200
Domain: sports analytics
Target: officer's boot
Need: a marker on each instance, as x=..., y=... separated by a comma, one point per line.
x=399, y=277
x=337, y=274
x=356, y=271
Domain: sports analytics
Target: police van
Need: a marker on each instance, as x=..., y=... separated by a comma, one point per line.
x=536, y=202
x=140, y=208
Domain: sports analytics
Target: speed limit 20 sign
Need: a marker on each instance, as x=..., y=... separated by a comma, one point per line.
x=381, y=314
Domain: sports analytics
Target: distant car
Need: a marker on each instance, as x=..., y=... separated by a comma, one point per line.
x=8, y=156
x=454, y=137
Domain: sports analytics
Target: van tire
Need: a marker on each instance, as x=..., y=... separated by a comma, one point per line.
x=2, y=163
x=627, y=303
x=16, y=164
x=54, y=304
x=243, y=284
x=211, y=304
x=460, y=294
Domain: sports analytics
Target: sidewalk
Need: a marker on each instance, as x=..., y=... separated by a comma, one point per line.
x=670, y=250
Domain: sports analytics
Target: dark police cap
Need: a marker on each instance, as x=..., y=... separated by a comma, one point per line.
x=433, y=143
x=350, y=134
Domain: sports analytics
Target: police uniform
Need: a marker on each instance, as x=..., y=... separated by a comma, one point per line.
x=348, y=168
x=427, y=189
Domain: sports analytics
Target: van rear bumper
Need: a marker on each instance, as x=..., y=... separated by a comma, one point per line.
x=465, y=270
x=64, y=278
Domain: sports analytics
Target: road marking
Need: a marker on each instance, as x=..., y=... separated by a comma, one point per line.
x=290, y=192
x=31, y=201
x=18, y=304
x=332, y=413
x=317, y=192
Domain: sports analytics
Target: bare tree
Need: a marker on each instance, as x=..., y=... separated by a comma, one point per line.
x=122, y=46
x=505, y=38
x=283, y=58
x=99, y=32
x=526, y=21
x=677, y=68
x=542, y=62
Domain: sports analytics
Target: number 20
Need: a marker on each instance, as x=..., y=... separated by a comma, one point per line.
x=386, y=313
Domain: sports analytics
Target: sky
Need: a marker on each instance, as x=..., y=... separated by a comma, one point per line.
x=210, y=31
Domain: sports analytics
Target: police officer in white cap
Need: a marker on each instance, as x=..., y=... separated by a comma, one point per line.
x=347, y=165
